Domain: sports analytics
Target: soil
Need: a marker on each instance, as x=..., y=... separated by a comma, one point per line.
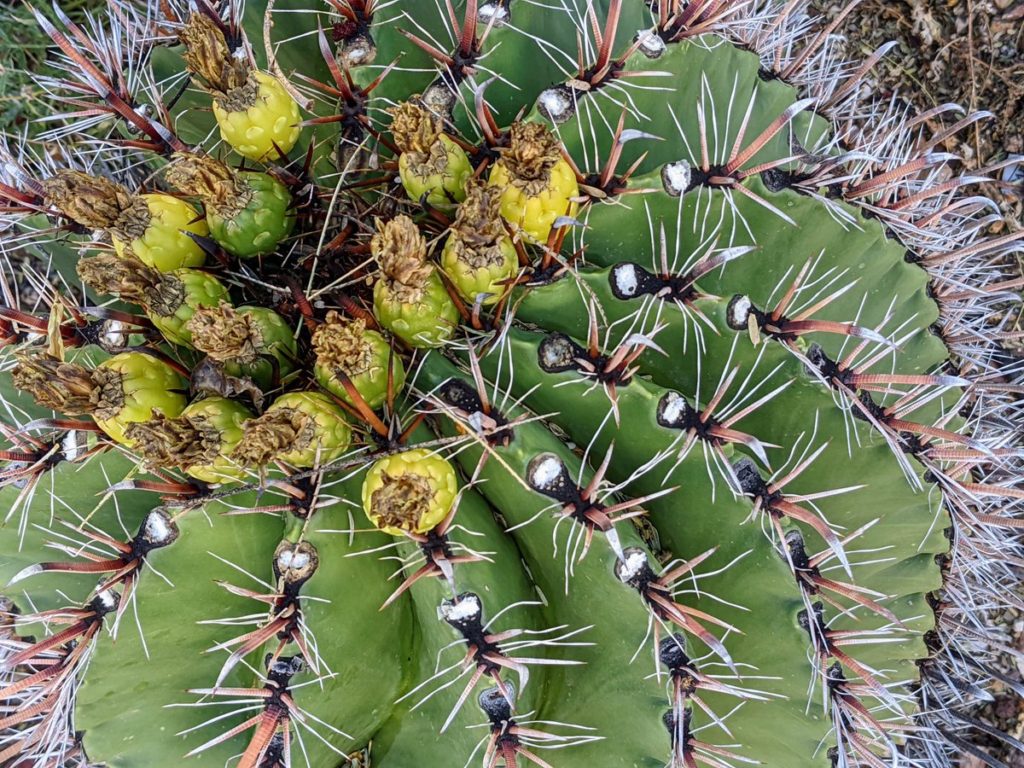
x=969, y=52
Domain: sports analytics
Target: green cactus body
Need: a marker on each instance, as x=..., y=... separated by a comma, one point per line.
x=264, y=222
x=109, y=717
x=147, y=385
x=165, y=243
x=592, y=588
x=363, y=356
x=200, y=290
x=414, y=726
x=441, y=188
x=424, y=320
x=687, y=437
x=343, y=582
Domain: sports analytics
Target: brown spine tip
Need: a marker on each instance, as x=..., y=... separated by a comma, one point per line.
x=279, y=431
x=221, y=189
x=340, y=344
x=226, y=334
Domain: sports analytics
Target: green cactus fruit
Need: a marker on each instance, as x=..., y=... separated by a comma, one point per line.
x=412, y=492
x=257, y=117
x=249, y=213
x=344, y=347
x=121, y=390
x=669, y=417
x=303, y=429
x=154, y=228
x=170, y=299
x=199, y=441
x=537, y=185
x=430, y=164
x=254, y=342
x=479, y=257
x=410, y=300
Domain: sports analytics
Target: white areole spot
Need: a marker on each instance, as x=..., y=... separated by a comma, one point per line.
x=291, y=559
x=651, y=44
x=674, y=407
x=108, y=599
x=495, y=11
x=357, y=53
x=556, y=352
x=739, y=311
x=632, y=565
x=466, y=608
x=158, y=527
x=116, y=333
x=626, y=279
x=544, y=470
x=556, y=104
x=676, y=177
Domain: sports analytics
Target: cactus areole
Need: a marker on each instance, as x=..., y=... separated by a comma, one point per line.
x=590, y=384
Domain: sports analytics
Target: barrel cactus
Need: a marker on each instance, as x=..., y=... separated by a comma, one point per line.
x=588, y=383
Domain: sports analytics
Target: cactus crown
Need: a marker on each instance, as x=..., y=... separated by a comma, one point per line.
x=223, y=70
x=401, y=250
x=97, y=203
x=227, y=334
x=219, y=186
x=133, y=281
x=68, y=387
x=341, y=344
x=592, y=383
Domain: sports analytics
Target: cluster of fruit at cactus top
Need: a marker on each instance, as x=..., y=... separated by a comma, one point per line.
x=505, y=383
